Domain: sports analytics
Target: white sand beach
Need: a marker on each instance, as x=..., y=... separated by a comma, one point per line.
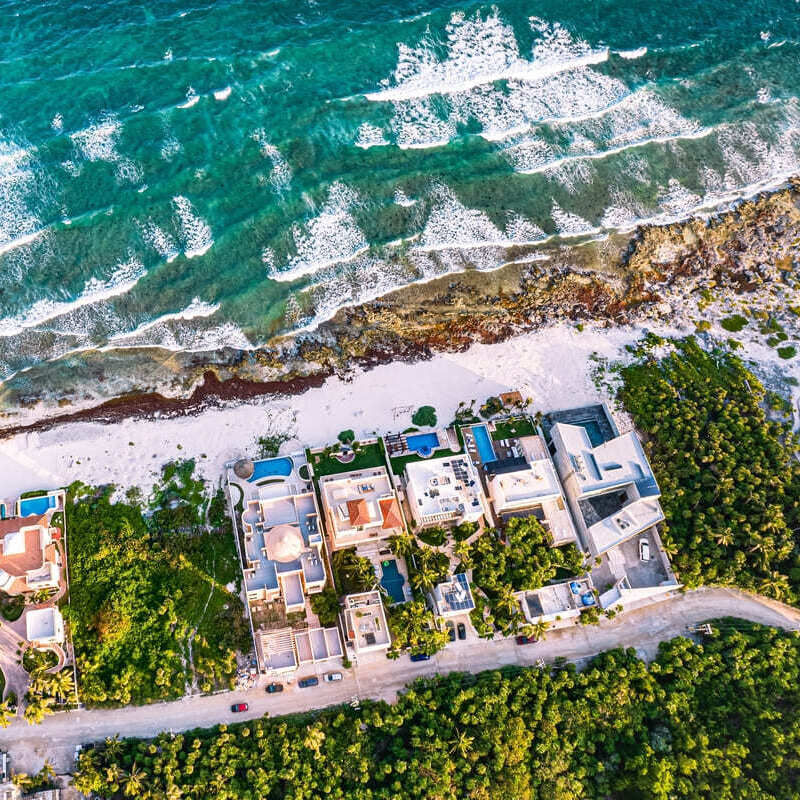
x=553, y=366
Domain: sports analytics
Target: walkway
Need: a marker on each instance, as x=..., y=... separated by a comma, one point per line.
x=380, y=678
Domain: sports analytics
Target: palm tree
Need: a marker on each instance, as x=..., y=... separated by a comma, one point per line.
x=7, y=714
x=403, y=544
x=114, y=774
x=540, y=629
x=134, y=781
x=424, y=577
x=113, y=745
x=62, y=683
x=462, y=744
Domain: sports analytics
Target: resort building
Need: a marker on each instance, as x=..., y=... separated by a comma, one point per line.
x=44, y=626
x=528, y=484
x=360, y=506
x=283, y=545
x=30, y=554
x=610, y=487
x=365, y=626
x=453, y=597
x=557, y=601
x=444, y=490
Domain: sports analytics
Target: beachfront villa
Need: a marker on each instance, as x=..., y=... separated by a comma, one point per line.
x=44, y=627
x=365, y=626
x=452, y=597
x=283, y=545
x=557, y=601
x=360, y=507
x=614, y=498
x=528, y=484
x=444, y=490
x=30, y=558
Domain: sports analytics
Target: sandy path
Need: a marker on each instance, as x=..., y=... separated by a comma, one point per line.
x=641, y=628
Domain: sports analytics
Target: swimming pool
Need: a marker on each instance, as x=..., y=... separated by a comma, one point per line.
x=484, y=442
x=272, y=467
x=36, y=505
x=392, y=581
x=593, y=431
x=423, y=443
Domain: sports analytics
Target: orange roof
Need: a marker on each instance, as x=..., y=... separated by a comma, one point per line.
x=358, y=510
x=13, y=524
x=511, y=398
x=30, y=558
x=391, y=513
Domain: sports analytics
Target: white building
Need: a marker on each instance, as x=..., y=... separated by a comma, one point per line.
x=557, y=601
x=365, y=625
x=530, y=483
x=444, y=490
x=44, y=626
x=360, y=506
x=453, y=597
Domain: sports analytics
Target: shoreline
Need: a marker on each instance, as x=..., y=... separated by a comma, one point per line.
x=639, y=279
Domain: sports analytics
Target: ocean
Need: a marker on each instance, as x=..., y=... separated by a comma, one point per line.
x=188, y=178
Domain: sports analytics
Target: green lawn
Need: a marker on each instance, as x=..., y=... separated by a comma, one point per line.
x=399, y=464
x=514, y=428
x=370, y=455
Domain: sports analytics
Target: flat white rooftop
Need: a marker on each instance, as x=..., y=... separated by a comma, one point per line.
x=629, y=521
x=444, y=487
x=44, y=625
x=617, y=462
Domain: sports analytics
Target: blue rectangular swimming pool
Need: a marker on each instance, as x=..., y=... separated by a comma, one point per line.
x=392, y=581
x=36, y=505
x=484, y=442
x=422, y=443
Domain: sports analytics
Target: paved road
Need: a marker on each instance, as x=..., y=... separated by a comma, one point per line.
x=378, y=678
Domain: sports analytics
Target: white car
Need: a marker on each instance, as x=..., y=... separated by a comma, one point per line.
x=644, y=550
x=334, y=676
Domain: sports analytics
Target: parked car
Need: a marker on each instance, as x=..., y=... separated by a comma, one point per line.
x=334, y=676
x=236, y=707
x=526, y=640
x=420, y=657
x=451, y=630
x=78, y=751
x=304, y=683
x=644, y=550
x=274, y=687
x=462, y=631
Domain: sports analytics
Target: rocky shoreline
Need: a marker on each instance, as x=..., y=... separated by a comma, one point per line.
x=612, y=281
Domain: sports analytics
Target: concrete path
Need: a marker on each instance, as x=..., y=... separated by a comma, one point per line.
x=379, y=678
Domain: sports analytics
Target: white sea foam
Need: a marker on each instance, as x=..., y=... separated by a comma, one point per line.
x=160, y=241
x=197, y=237
x=480, y=51
x=268, y=259
x=450, y=223
x=418, y=124
x=19, y=223
x=331, y=237
x=122, y=279
x=281, y=174
x=520, y=229
x=192, y=98
x=370, y=136
x=197, y=309
x=402, y=199
x=223, y=94
x=99, y=141
x=632, y=54
x=568, y=223
x=57, y=123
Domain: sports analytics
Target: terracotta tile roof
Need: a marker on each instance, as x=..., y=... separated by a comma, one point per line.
x=13, y=524
x=391, y=513
x=358, y=511
x=510, y=398
x=30, y=558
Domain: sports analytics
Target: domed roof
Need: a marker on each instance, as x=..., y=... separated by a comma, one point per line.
x=244, y=469
x=284, y=543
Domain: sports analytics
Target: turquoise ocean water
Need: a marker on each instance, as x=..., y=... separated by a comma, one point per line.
x=192, y=177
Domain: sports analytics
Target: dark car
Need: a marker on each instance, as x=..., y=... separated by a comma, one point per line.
x=420, y=657
x=526, y=640
x=304, y=683
x=274, y=687
x=451, y=631
x=239, y=707
x=462, y=631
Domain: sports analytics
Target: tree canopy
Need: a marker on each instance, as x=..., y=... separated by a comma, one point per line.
x=716, y=721
x=726, y=465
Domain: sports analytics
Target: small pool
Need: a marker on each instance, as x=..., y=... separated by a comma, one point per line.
x=594, y=432
x=484, y=443
x=36, y=505
x=392, y=580
x=423, y=443
x=272, y=468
